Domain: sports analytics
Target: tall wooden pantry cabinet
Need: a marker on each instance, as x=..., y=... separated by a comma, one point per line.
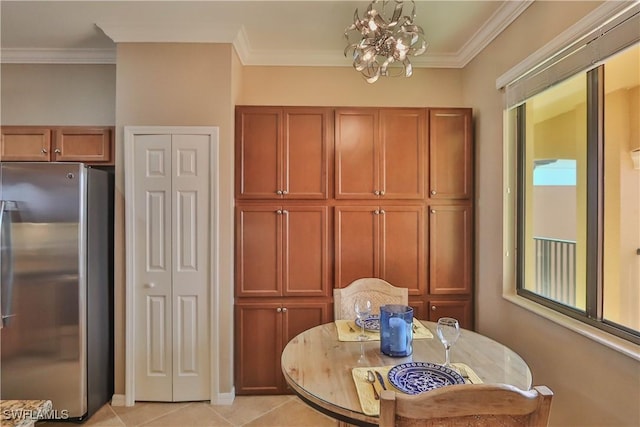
x=325, y=196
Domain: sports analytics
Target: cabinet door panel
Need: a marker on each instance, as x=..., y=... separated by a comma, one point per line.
x=402, y=143
x=450, y=154
x=402, y=249
x=356, y=243
x=258, y=345
x=305, y=251
x=19, y=144
x=90, y=145
x=460, y=310
x=355, y=152
x=450, y=250
x=306, y=137
x=301, y=316
x=257, y=251
x=258, y=153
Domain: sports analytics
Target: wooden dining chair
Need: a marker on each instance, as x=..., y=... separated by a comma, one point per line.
x=378, y=291
x=467, y=405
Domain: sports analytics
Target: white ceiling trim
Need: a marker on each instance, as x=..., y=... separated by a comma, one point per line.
x=57, y=56
x=593, y=20
x=189, y=33
x=499, y=21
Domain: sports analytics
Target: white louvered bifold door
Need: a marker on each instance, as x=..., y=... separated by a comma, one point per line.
x=172, y=200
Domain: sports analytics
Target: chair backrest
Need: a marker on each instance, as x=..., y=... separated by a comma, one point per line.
x=467, y=405
x=378, y=291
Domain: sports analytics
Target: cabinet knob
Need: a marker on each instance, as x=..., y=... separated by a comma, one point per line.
x=284, y=211
x=44, y=151
x=376, y=212
x=433, y=192
x=57, y=151
x=149, y=285
x=279, y=212
x=433, y=211
x=382, y=212
x=382, y=193
x=279, y=192
x=434, y=308
x=279, y=310
x=285, y=192
x=284, y=309
x=376, y=192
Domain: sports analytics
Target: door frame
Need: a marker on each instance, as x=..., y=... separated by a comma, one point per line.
x=130, y=132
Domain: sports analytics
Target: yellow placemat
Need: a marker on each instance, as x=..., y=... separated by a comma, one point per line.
x=370, y=405
x=349, y=331
x=472, y=377
x=420, y=331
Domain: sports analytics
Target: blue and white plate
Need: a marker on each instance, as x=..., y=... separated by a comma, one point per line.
x=418, y=377
x=371, y=323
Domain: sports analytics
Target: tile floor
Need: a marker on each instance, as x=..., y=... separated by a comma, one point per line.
x=259, y=411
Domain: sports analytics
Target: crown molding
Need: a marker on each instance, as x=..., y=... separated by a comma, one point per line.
x=160, y=32
x=57, y=56
x=499, y=21
x=189, y=33
x=588, y=23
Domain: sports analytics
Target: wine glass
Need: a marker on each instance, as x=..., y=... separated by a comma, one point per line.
x=448, y=330
x=362, y=308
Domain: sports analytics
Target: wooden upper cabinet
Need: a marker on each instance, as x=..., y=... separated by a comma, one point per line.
x=28, y=144
x=356, y=157
x=450, y=153
x=450, y=249
x=380, y=153
x=402, y=153
x=282, y=251
x=381, y=241
x=282, y=153
x=84, y=144
x=91, y=145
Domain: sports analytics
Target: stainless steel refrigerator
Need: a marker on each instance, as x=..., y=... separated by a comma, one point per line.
x=56, y=286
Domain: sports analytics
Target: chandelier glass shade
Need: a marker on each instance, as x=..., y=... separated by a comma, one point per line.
x=381, y=43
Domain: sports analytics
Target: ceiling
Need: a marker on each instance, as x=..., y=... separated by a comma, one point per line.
x=304, y=33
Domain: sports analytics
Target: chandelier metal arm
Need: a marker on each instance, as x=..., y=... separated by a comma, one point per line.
x=381, y=46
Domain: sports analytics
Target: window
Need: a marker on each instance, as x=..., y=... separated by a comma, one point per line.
x=578, y=193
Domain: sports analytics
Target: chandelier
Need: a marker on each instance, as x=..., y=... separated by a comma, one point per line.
x=383, y=45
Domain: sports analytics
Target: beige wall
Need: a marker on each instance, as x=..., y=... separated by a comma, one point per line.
x=57, y=94
x=593, y=385
x=179, y=85
x=343, y=86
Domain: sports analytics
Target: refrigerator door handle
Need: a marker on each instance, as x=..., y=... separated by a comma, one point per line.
x=6, y=262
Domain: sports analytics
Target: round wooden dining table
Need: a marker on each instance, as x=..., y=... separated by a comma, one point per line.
x=318, y=367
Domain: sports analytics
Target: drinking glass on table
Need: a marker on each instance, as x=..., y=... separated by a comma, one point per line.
x=362, y=308
x=448, y=330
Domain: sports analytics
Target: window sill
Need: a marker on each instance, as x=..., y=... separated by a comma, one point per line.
x=618, y=344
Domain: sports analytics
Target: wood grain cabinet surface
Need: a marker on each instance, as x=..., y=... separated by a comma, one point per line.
x=380, y=153
x=450, y=153
x=282, y=251
x=283, y=153
x=381, y=241
x=91, y=145
x=325, y=196
x=262, y=330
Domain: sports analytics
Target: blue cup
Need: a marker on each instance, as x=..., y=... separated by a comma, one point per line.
x=396, y=330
